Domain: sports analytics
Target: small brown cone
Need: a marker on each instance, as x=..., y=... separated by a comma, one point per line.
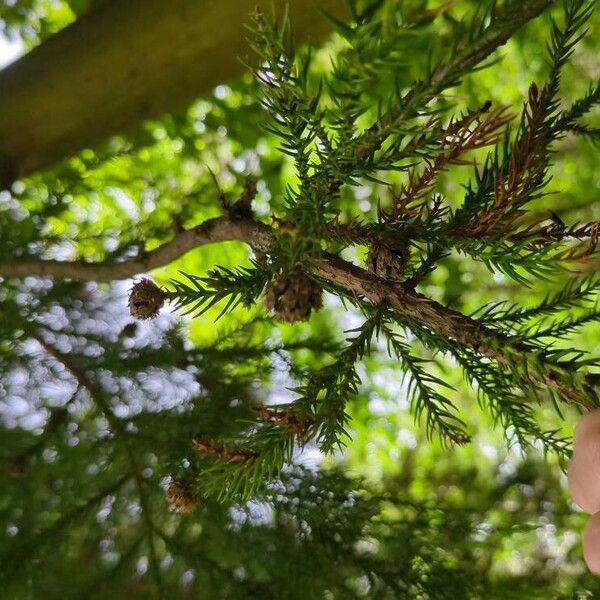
x=384, y=263
x=293, y=297
x=180, y=498
x=146, y=299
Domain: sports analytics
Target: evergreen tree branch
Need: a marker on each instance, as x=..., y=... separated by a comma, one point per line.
x=507, y=350
x=577, y=293
x=439, y=412
x=505, y=186
x=405, y=301
x=239, y=286
x=470, y=132
x=325, y=396
x=118, y=429
x=568, y=119
x=219, y=229
x=136, y=472
x=448, y=73
x=48, y=533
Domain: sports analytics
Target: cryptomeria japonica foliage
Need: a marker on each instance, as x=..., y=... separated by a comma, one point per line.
x=506, y=351
x=389, y=181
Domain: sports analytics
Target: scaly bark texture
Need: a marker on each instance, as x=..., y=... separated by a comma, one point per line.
x=122, y=63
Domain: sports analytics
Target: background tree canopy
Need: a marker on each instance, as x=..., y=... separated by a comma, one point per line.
x=325, y=332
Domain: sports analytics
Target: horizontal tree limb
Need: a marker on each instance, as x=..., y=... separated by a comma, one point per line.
x=403, y=300
x=220, y=229
x=123, y=62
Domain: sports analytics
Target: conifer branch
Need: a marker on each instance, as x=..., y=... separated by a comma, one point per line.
x=525, y=173
x=511, y=364
x=405, y=302
x=509, y=352
x=193, y=410
x=505, y=186
x=568, y=119
x=470, y=132
x=439, y=413
x=219, y=229
x=239, y=286
x=123, y=437
x=239, y=470
x=508, y=404
x=514, y=16
x=68, y=518
x=325, y=395
x=575, y=294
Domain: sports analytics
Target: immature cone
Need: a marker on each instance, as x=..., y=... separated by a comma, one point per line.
x=292, y=297
x=146, y=299
x=180, y=499
x=384, y=263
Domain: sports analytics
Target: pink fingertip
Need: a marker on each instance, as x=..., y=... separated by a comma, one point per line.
x=591, y=544
x=583, y=476
x=589, y=423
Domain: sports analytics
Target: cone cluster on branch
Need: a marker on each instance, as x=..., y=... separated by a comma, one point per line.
x=385, y=263
x=293, y=296
x=146, y=299
x=180, y=498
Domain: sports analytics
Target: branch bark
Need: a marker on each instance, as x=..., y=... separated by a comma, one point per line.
x=220, y=229
x=122, y=63
x=404, y=301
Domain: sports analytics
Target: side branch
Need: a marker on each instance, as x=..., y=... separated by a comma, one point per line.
x=403, y=300
x=509, y=22
x=467, y=332
x=220, y=229
x=448, y=73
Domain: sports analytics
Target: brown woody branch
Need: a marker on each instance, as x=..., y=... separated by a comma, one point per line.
x=453, y=325
x=525, y=171
x=260, y=237
x=231, y=453
x=404, y=301
x=220, y=229
x=474, y=131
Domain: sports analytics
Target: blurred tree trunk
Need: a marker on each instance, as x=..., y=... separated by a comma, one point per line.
x=123, y=62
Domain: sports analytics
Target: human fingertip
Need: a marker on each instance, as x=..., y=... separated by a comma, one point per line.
x=589, y=423
x=583, y=483
x=591, y=544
